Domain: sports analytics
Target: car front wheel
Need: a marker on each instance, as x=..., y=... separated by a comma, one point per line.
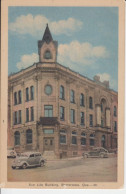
x=42, y=163
x=13, y=167
x=24, y=166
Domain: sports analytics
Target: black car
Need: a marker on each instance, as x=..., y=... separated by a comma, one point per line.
x=96, y=152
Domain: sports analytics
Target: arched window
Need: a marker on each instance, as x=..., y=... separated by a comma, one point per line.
x=83, y=138
x=47, y=55
x=62, y=92
x=72, y=97
x=32, y=92
x=81, y=99
x=115, y=111
x=29, y=136
x=90, y=102
x=17, y=138
x=92, y=141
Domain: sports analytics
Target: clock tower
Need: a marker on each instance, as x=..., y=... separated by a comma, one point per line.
x=47, y=48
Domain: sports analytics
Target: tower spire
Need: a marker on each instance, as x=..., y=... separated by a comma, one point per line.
x=47, y=37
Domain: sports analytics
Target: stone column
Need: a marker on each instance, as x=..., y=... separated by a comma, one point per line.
x=98, y=115
x=108, y=117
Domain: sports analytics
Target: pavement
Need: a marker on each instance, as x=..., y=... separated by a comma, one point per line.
x=68, y=170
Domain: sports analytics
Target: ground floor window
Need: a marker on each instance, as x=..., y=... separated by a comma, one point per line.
x=74, y=137
x=62, y=136
x=92, y=141
x=17, y=138
x=29, y=136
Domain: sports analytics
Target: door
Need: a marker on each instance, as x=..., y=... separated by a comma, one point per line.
x=48, y=143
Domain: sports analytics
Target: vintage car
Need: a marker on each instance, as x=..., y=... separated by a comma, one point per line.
x=96, y=152
x=11, y=153
x=28, y=159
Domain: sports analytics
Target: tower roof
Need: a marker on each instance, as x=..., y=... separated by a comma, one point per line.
x=47, y=37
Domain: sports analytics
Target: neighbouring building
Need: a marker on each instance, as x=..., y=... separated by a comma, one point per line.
x=52, y=108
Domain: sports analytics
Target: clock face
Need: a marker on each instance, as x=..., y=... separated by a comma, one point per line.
x=47, y=55
x=48, y=89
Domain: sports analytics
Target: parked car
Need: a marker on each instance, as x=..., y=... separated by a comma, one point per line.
x=11, y=153
x=96, y=152
x=28, y=159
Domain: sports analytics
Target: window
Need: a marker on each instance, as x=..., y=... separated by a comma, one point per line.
x=32, y=113
x=17, y=138
x=91, y=120
x=15, y=118
x=48, y=90
x=47, y=55
x=74, y=137
x=82, y=118
x=102, y=123
x=19, y=97
x=48, y=109
x=32, y=92
x=90, y=102
x=63, y=136
x=115, y=126
x=92, y=141
x=101, y=107
x=27, y=94
x=48, y=131
x=29, y=136
x=82, y=100
x=83, y=138
x=72, y=114
x=62, y=92
x=15, y=98
x=19, y=117
x=72, y=97
x=61, y=113
x=27, y=114
x=115, y=111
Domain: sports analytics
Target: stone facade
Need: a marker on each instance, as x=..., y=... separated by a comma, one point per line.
x=52, y=108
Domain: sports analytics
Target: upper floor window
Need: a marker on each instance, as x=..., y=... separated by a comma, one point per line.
x=62, y=116
x=82, y=118
x=32, y=92
x=32, y=113
x=82, y=100
x=72, y=114
x=47, y=55
x=90, y=120
x=15, y=117
x=19, y=97
x=15, y=98
x=19, y=117
x=27, y=114
x=90, y=102
x=92, y=141
x=72, y=96
x=62, y=92
x=27, y=94
x=48, y=110
x=115, y=111
x=29, y=136
x=115, y=126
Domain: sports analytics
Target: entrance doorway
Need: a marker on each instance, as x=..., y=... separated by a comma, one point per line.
x=48, y=143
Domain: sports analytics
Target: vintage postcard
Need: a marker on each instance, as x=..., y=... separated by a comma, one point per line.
x=62, y=94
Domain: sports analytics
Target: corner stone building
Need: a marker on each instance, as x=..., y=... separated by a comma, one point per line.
x=53, y=109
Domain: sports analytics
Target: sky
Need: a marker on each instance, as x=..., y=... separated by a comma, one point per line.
x=87, y=39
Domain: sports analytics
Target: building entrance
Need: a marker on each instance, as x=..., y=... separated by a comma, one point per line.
x=48, y=143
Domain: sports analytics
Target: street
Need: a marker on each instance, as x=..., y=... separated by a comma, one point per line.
x=68, y=170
